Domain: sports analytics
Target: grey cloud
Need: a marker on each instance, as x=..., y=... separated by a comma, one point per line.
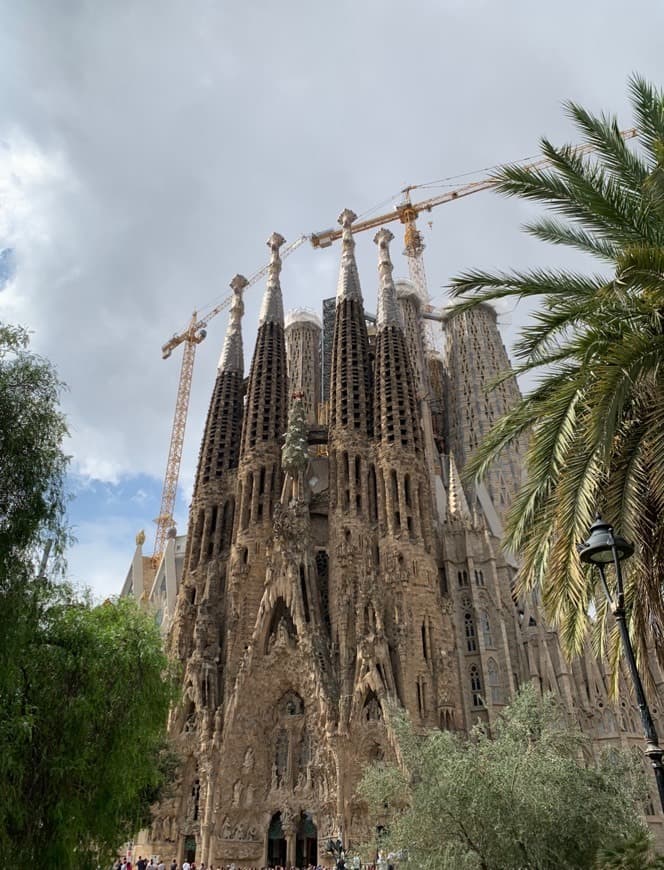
x=185, y=133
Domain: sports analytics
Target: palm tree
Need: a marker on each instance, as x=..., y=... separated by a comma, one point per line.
x=635, y=853
x=595, y=418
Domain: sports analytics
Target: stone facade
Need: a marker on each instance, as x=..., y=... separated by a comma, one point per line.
x=321, y=593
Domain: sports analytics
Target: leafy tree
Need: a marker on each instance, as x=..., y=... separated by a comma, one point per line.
x=597, y=344
x=84, y=690
x=82, y=743
x=32, y=471
x=523, y=798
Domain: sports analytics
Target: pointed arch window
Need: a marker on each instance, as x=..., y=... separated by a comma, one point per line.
x=476, y=686
x=486, y=630
x=469, y=629
x=304, y=751
x=494, y=682
x=281, y=756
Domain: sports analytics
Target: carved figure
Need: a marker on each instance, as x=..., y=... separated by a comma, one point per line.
x=248, y=763
x=237, y=793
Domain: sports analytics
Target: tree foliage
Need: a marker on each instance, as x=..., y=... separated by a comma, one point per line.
x=32, y=462
x=596, y=342
x=521, y=798
x=84, y=689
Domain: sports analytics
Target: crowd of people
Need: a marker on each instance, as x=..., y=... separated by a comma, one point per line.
x=152, y=864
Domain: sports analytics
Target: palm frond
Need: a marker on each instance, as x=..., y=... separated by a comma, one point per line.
x=573, y=236
x=604, y=134
x=648, y=104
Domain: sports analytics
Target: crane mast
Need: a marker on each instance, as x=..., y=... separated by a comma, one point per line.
x=194, y=335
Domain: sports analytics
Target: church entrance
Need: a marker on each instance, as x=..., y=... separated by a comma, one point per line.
x=306, y=842
x=276, y=842
x=189, y=848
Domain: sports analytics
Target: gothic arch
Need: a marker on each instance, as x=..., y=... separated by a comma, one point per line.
x=372, y=710
x=281, y=620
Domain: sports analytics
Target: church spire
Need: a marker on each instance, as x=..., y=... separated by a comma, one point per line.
x=350, y=376
x=220, y=447
x=457, y=504
x=266, y=407
x=388, y=307
x=348, y=286
x=396, y=418
x=232, y=355
x=272, y=310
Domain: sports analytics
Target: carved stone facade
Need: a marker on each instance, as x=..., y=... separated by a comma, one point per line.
x=318, y=599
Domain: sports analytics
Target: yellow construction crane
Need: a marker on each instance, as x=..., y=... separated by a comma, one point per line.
x=191, y=337
x=405, y=211
x=408, y=211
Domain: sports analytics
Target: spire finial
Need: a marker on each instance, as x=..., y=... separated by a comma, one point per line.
x=273, y=306
x=388, y=307
x=349, y=280
x=456, y=498
x=232, y=355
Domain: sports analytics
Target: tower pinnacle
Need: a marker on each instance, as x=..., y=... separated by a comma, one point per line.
x=232, y=355
x=349, y=279
x=457, y=504
x=272, y=309
x=388, y=307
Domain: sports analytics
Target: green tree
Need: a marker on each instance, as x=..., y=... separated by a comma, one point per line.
x=84, y=689
x=596, y=342
x=32, y=467
x=521, y=799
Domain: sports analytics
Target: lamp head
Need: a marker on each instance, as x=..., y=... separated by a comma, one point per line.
x=598, y=549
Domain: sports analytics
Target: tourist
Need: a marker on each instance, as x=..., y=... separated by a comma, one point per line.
x=142, y=863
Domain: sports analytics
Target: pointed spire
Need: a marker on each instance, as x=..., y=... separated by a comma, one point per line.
x=348, y=286
x=232, y=355
x=388, y=307
x=272, y=310
x=456, y=497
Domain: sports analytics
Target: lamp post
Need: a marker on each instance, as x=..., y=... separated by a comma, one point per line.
x=601, y=549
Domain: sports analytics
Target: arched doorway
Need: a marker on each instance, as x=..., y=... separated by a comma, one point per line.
x=276, y=842
x=306, y=842
x=190, y=848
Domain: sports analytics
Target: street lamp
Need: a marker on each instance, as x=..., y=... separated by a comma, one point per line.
x=601, y=549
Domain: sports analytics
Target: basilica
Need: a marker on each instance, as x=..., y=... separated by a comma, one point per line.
x=338, y=569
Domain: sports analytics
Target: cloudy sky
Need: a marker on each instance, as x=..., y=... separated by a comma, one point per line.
x=149, y=147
